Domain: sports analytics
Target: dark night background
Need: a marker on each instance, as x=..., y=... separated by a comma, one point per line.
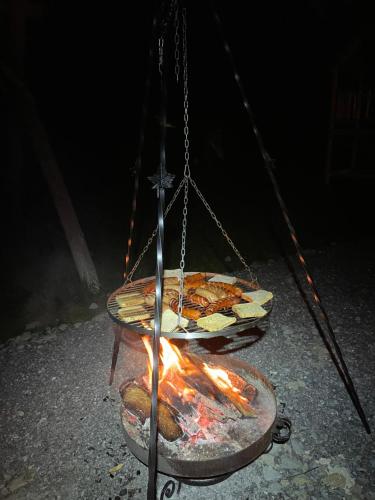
x=85, y=65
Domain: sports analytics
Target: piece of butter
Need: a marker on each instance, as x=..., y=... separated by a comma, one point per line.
x=250, y=310
x=223, y=278
x=259, y=296
x=169, y=321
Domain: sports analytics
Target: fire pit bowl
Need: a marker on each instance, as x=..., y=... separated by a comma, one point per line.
x=208, y=448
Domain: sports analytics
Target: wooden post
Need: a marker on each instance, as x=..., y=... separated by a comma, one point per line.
x=46, y=158
x=73, y=232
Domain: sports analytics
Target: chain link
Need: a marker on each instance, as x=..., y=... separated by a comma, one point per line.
x=225, y=234
x=183, y=246
x=186, y=167
x=177, y=42
x=154, y=232
x=186, y=94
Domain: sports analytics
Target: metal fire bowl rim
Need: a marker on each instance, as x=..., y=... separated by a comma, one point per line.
x=191, y=333
x=207, y=468
x=202, y=469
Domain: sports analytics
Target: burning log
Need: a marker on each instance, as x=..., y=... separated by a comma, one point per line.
x=137, y=400
x=193, y=395
x=198, y=380
x=232, y=386
x=189, y=401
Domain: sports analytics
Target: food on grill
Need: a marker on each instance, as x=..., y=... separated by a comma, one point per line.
x=259, y=296
x=128, y=316
x=173, y=280
x=215, y=322
x=150, y=299
x=172, y=273
x=224, y=279
x=171, y=287
x=169, y=321
x=219, y=292
x=197, y=299
x=132, y=309
x=207, y=294
x=202, y=296
x=230, y=289
x=193, y=285
x=171, y=293
x=149, y=288
x=168, y=294
x=128, y=295
x=187, y=312
x=191, y=278
x=250, y=310
x=129, y=299
x=221, y=304
x=137, y=400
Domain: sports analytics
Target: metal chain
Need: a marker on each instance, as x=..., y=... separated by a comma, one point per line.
x=225, y=234
x=154, y=232
x=177, y=42
x=187, y=166
x=186, y=94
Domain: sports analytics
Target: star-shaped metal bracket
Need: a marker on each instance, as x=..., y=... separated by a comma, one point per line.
x=165, y=180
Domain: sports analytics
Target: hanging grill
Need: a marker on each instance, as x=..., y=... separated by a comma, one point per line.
x=192, y=331
x=161, y=181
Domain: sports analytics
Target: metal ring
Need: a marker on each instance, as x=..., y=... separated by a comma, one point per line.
x=283, y=430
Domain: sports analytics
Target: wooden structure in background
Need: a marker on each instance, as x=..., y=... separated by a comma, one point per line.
x=26, y=114
x=18, y=14
x=350, y=150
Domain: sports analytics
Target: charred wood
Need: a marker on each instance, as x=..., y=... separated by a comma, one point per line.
x=137, y=400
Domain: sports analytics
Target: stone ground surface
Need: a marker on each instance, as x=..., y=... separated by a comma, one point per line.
x=60, y=425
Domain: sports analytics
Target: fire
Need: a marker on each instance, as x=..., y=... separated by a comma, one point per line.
x=184, y=378
x=221, y=380
x=170, y=356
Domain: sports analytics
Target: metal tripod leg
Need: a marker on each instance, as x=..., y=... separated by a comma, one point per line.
x=116, y=347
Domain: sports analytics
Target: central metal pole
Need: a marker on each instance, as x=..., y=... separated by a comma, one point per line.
x=160, y=189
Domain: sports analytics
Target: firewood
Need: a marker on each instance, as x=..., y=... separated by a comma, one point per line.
x=194, y=377
x=190, y=405
x=136, y=399
x=247, y=391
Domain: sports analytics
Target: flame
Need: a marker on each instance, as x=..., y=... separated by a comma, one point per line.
x=150, y=359
x=170, y=356
x=222, y=381
x=178, y=376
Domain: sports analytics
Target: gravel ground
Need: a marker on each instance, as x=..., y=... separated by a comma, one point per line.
x=60, y=424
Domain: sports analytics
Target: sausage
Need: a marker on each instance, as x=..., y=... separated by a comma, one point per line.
x=221, y=304
x=186, y=312
x=198, y=299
